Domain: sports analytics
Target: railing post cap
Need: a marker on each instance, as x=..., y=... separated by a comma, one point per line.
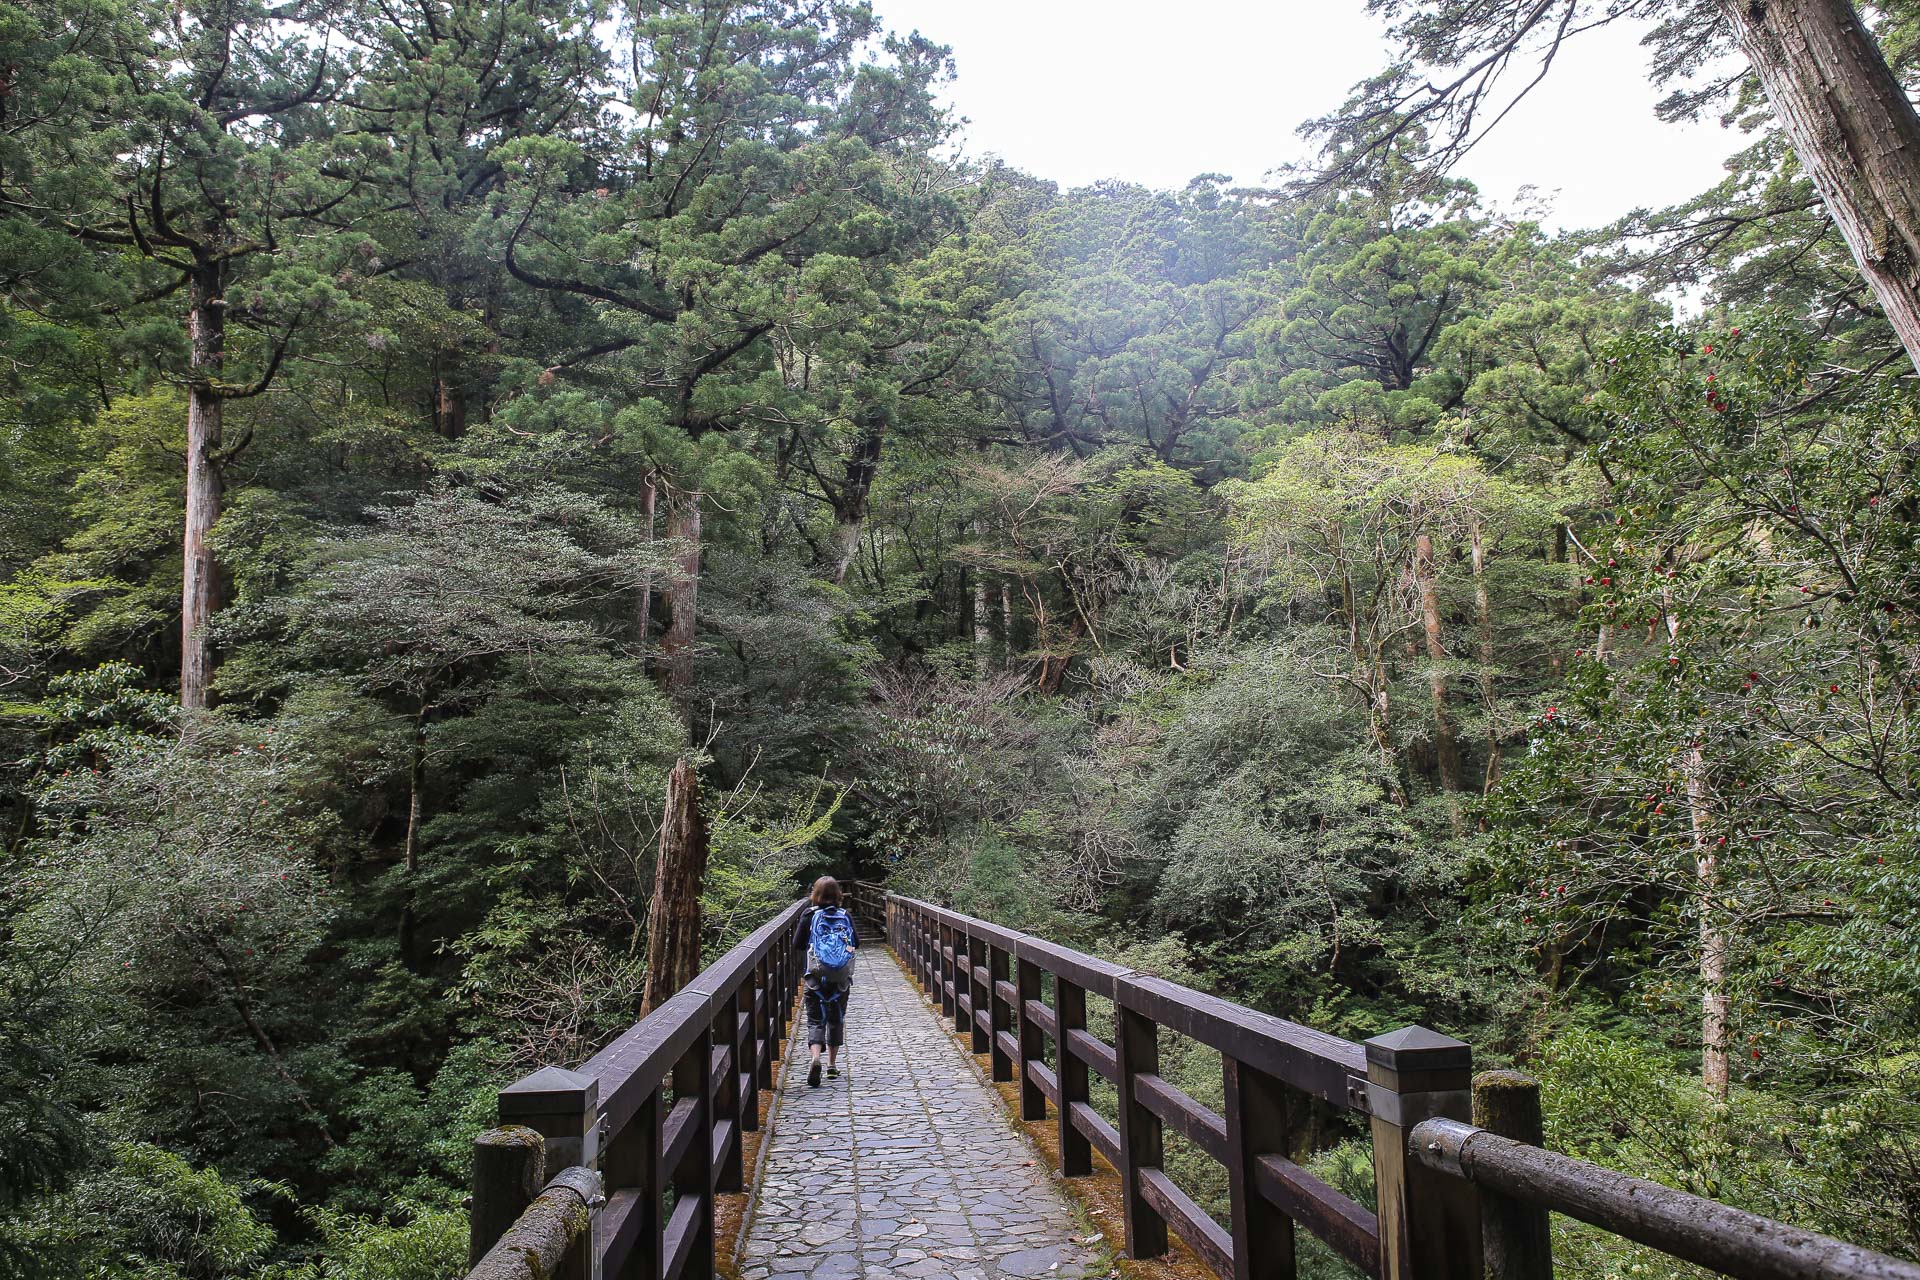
x=1417, y=1060
x=550, y=1091
x=1419, y=1049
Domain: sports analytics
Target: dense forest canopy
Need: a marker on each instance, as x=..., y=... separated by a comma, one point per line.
x=426, y=422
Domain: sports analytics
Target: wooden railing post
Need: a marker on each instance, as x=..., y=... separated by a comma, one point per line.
x=962, y=977
x=564, y=1107
x=1136, y=1046
x=923, y=947
x=949, y=985
x=1070, y=1015
x=692, y=1176
x=1256, y=1118
x=1516, y=1238
x=730, y=1102
x=1429, y=1222
x=746, y=1034
x=999, y=970
x=766, y=1000
x=509, y=1168
x=632, y=1164
x=1033, y=1041
x=979, y=995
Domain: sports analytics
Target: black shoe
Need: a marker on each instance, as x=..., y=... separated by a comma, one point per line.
x=813, y=1074
x=833, y=1073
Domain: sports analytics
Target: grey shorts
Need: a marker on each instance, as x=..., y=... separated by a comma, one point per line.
x=826, y=1012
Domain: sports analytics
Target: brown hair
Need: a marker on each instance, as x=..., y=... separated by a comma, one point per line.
x=826, y=892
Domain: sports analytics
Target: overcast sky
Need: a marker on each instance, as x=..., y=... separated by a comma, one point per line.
x=1079, y=90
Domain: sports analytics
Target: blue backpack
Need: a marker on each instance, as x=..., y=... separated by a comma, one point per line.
x=830, y=938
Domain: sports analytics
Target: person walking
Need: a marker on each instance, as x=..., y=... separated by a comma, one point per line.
x=831, y=942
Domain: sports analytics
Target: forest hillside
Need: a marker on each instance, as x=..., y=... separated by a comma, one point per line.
x=424, y=422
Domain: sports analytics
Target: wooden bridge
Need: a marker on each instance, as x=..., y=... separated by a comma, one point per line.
x=910, y=1165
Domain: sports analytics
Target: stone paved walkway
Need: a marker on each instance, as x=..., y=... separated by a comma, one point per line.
x=907, y=1165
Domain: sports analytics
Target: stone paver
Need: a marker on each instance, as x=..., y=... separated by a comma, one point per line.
x=907, y=1165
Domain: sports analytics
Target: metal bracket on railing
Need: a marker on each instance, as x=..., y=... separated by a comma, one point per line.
x=583, y=1182
x=1357, y=1095
x=1442, y=1144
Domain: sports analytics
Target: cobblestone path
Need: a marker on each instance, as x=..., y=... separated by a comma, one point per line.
x=907, y=1165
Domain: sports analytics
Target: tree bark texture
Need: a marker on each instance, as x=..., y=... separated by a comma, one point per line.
x=1483, y=616
x=449, y=404
x=856, y=491
x=1446, y=748
x=643, y=590
x=416, y=790
x=1370, y=676
x=1855, y=131
x=679, y=875
x=1715, y=1002
x=982, y=613
x=683, y=595
x=200, y=590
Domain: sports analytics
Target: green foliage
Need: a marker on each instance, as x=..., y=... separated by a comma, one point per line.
x=147, y=1215
x=410, y=1245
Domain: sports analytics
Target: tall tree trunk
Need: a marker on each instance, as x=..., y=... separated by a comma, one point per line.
x=1854, y=130
x=643, y=590
x=679, y=876
x=1483, y=617
x=1370, y=674
x=982, y=613
x=1446, y=748
x=449, y=404
x=683, y=594
x=856, y=491
x=416, y=789
x=1715, y=1002
x=200, y=589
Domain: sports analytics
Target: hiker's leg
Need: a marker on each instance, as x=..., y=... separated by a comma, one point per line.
x=817, y=1018
x=834, y=1006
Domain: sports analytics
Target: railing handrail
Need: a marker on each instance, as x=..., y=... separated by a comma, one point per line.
x=1264, y=1055
x=711, y=1046
x=1440, y=1181
x=1677, y=1223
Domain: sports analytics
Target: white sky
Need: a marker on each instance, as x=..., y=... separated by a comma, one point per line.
x=1079, y=90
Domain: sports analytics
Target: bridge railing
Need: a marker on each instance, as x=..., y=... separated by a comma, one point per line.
x=646, y=1133
x=1456, y=1201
